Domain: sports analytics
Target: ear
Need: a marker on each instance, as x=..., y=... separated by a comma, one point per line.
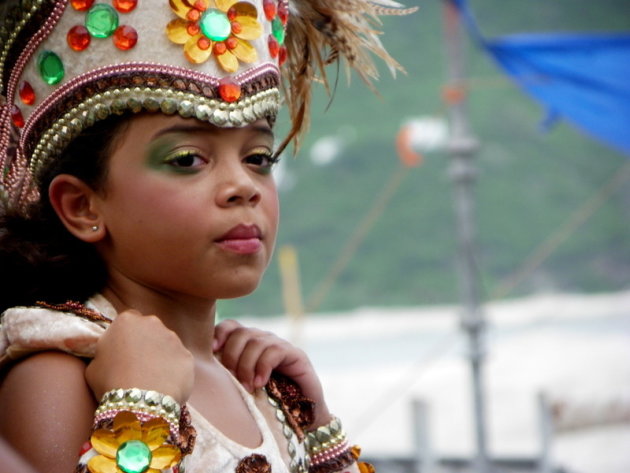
x=76, y=205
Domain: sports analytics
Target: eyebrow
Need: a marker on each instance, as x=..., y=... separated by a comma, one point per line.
x=202, y=129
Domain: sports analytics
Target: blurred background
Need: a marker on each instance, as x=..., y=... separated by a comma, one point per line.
x=368, y=274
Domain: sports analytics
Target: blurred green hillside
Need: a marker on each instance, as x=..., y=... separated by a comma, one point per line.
x=529, y=182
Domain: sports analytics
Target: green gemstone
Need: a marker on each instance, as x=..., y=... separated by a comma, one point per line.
x=215, y=25
x=50, y=67
x=133, y=456
x=101, y=21
x=277, y=28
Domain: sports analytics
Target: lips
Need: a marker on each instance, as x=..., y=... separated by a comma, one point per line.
x=242, y=239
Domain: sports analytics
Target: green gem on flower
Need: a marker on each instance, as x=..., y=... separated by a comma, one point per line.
x=133, y=456
x=215, y=25
x=220, y=27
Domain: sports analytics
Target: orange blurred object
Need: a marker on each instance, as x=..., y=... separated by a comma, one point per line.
x=407, y=155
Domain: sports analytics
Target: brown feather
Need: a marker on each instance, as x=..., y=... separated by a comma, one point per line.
x=343, y=28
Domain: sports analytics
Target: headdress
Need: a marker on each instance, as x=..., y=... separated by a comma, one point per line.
x=66, y=64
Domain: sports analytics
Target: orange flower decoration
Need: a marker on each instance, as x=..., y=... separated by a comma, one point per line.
x=133, y=446
x=220, y=27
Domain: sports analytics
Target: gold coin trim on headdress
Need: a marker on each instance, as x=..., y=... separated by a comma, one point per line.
x=261, y=105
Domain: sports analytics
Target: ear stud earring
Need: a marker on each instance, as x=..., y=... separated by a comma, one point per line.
x=95, y=228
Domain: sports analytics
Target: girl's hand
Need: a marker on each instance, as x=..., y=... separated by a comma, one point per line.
x=252, y=355
x=138, y=351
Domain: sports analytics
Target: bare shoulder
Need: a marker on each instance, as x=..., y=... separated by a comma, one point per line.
x=46, y=409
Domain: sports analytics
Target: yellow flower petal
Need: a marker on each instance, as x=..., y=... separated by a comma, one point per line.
x=156, y=431
x=100, y=464
x=250, y=28
x=245, y=52
x=165, y=457
x=127, y=427
x=224, y=5
x=245, y=9
x=194, y=53
x=126, y=419
x=180, y=7
x=177, y=32
x=105, y=442
x=228, y=61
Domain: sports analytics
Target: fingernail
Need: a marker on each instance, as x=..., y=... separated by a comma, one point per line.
x=258, y=382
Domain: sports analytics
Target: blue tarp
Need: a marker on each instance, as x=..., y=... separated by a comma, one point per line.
x=584, y=77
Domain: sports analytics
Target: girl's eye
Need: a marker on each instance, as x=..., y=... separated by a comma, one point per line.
x=264, y=161
x=185, y=160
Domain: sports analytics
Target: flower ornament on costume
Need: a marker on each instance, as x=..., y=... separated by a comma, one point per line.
x=222, y=28
x=132, y=447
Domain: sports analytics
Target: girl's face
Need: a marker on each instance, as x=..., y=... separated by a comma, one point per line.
x=189, y=208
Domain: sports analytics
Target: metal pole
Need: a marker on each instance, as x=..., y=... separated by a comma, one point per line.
x=424, y=461
x=462, y=146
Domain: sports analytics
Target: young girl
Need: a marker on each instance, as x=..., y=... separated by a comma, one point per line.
x=137, y=146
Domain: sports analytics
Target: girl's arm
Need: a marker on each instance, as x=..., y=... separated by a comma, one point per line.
x=47, y=410
x=48, y=401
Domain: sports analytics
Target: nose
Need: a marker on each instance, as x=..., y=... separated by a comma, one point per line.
x=237, y=187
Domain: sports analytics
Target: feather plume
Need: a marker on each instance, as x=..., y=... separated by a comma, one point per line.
x=322, y=32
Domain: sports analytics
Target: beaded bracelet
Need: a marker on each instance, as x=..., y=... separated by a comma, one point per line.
x=328, y=448
x=148, y=402
x=325, y=437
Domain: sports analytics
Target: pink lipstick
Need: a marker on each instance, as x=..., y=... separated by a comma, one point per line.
x=242, y=239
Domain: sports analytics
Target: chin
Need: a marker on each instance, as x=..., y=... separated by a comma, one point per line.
x=244, y=288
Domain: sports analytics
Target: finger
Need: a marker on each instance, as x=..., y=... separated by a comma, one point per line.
x=252, y=352
x=272, y=357
x=233, y=346
x=221, y=333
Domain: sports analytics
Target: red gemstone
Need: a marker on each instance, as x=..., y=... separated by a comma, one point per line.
x=283, y=12
x=282, y=55
x=193, y=29
x=232, y=14
x=270, y=9
x=78, y=38
x=201, y=5
x=86, y=447
x=125, y=6
x=204, y=43
x=236, y=27
x=219, y=48
x=81, y=5
x=193, y=15
x=27, y=94
x=16, y=116
x=229, y=90
x=274, y=47
x=125, y=37
x=231, y=42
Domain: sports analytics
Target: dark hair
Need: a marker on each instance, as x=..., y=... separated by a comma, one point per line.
x=39, y=258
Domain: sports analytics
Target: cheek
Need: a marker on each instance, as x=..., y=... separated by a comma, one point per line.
x=272, y=207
